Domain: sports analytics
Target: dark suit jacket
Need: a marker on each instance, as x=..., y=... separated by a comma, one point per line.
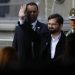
x=46, y=43
x=60, y=47
x=28, y=43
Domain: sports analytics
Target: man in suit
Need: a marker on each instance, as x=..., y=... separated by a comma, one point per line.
x=53, y=41
x=27, y=38
x=72, y=24
x=56, y=37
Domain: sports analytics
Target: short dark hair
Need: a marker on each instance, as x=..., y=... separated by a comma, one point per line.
x=31, y=3
x=58, y=17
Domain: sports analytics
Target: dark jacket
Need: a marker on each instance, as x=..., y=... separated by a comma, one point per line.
x=68, y=58
x=28, y=43
x=60, y=48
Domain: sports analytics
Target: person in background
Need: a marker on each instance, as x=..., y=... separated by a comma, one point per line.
x=67, y=60
x=72, y=24
x=8, y=59
x=69, y=54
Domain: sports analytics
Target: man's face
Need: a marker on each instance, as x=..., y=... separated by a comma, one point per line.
x=53, y=26
x=72, y=23
x=32, y=12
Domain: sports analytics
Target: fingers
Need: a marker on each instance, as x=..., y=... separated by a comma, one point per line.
x=22, y=13
x=22, y=10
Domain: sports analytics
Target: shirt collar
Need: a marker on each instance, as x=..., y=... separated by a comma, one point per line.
x=34, y=23
x=56, y=37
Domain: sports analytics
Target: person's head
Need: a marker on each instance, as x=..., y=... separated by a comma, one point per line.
x=72, y=18
x=32, y=11
x=55, y=22
x=72, y=23
x=7, y=54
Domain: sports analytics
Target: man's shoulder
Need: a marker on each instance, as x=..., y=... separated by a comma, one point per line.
x=63, y=36
x=43, y=26
x=41, y=23
x=63, y=33
x=18, y=28
x=68, y=32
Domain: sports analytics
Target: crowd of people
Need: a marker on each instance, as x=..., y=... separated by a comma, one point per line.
x=39, y=46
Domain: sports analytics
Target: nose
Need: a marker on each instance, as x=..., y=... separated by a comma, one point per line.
x=32, y=13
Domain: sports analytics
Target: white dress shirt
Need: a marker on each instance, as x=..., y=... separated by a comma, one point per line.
x=54, y=42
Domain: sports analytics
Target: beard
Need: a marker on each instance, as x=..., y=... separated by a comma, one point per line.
x=52, y=30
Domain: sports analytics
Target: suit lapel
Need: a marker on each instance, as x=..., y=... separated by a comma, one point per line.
x=45, y=44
